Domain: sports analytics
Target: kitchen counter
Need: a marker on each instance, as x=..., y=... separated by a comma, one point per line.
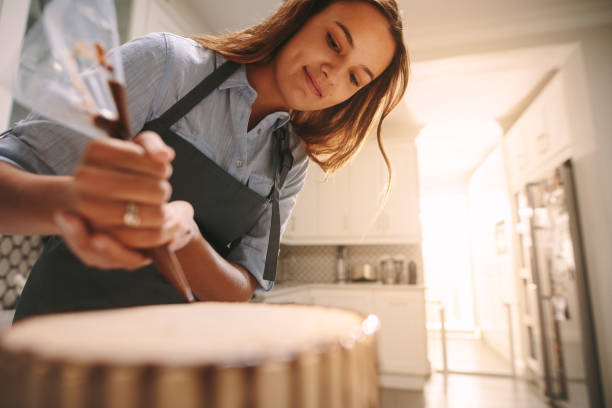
x=290, y=287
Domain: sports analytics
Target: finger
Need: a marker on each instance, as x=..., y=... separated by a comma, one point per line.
x=146, y=237
x=113, y=185
x=105, y=214
x=155, y=146
x=118, y=254
x=124, y=155
x=73, y=230
x=97, y=250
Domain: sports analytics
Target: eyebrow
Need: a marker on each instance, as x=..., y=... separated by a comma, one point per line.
x=349, y=38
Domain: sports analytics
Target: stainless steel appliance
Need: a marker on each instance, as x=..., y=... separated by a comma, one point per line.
x=557, y=319
x=364, y=272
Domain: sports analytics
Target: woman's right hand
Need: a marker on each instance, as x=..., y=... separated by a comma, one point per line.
x=112, y=174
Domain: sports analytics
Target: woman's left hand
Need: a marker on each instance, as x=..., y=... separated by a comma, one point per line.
x=177, y=229
x=118, y=247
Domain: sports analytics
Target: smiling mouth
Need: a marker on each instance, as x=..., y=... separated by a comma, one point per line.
x=311, y=83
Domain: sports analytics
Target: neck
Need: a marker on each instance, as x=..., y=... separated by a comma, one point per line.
x=261, y=77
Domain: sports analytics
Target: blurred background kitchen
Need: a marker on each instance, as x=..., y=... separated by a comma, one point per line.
x=490, y=264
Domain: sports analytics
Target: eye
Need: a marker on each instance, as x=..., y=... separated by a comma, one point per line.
x=354, y=79
x=330, y=40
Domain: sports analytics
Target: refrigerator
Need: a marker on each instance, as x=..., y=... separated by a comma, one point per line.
x=558, y=327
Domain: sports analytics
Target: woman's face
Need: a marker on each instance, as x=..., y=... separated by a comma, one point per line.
x=336, y=53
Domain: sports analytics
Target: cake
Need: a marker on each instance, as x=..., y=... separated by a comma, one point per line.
x=201, y=355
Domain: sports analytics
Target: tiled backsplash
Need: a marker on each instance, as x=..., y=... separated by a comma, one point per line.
x=303, y=264
x=317, y=264
x=17, y=255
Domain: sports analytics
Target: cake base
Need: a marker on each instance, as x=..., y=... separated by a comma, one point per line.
x=201, y=355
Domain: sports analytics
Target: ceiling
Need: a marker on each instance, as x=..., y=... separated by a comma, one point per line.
x=460, y=88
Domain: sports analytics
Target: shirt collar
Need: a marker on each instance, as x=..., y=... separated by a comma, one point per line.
x=281, y=119
x=238, y=79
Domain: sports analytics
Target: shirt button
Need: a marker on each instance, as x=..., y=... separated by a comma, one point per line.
x=259, y=131
x=239, y=163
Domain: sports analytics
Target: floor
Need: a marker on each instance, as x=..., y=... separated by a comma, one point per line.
x=465, y=391
x=466, y=355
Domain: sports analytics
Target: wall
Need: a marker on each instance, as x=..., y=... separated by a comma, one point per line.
x=492, y=269
x=13, y=17
x=175, y=16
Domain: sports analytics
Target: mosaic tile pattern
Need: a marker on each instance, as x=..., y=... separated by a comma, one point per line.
x=18, y=253
x=317, y=264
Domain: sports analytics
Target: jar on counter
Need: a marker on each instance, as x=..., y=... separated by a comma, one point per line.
x=341, y=266
x=387, y=270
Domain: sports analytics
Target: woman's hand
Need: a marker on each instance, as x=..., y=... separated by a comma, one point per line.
x=108, y=250
x=113, y=176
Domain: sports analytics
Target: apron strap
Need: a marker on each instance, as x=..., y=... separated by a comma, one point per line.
x=283, y=163
x=199, y=92
x=282, y=152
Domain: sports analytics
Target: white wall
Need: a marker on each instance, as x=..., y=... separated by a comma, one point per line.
x=492, y=270
x=175, y=16
x=13, y=17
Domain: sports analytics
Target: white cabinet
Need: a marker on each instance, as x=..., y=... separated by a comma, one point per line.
x=333, y=204
x=403, y=318
x=357, y=300
x=540, y=139
x=402, y=339
x=343, y=209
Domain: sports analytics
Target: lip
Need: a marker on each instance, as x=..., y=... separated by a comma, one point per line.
x=312, y=84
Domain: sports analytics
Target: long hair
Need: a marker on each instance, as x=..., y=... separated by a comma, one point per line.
x=332, y=135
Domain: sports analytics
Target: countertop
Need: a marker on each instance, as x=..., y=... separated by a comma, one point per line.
x=290, y=287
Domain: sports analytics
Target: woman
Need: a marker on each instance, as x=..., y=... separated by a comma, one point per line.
x=242, y=113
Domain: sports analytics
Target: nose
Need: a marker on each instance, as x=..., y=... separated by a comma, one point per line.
x=331, y=73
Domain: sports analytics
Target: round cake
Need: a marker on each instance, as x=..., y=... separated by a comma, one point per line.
x=201, y=355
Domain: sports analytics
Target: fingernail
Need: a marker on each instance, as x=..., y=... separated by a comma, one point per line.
x=168, y=171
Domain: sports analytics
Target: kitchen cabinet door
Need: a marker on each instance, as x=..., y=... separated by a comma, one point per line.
x=357, y=300
x=334, y=204
x=302, y=226
x=366, y=189
x=400, y=216
x=540, y=138
x=555, y=118
x=402, y=338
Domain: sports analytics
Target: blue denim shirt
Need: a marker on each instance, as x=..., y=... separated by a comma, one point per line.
x=160, y=68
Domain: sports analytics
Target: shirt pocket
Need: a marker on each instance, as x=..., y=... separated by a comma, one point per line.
x=260, y=184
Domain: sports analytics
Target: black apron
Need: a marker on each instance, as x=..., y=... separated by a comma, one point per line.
x=225, y=210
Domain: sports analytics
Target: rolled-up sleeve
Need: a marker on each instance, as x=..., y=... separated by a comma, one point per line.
x=40, y=145
x=251, y=252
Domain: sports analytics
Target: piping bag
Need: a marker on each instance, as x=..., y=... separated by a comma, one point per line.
x=70, y=71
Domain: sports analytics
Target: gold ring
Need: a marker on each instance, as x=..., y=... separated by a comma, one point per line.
x=131, y=217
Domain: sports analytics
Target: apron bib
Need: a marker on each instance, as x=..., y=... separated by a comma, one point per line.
x=60, y=282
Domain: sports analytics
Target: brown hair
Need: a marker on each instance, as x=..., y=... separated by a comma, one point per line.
x=332, y=135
